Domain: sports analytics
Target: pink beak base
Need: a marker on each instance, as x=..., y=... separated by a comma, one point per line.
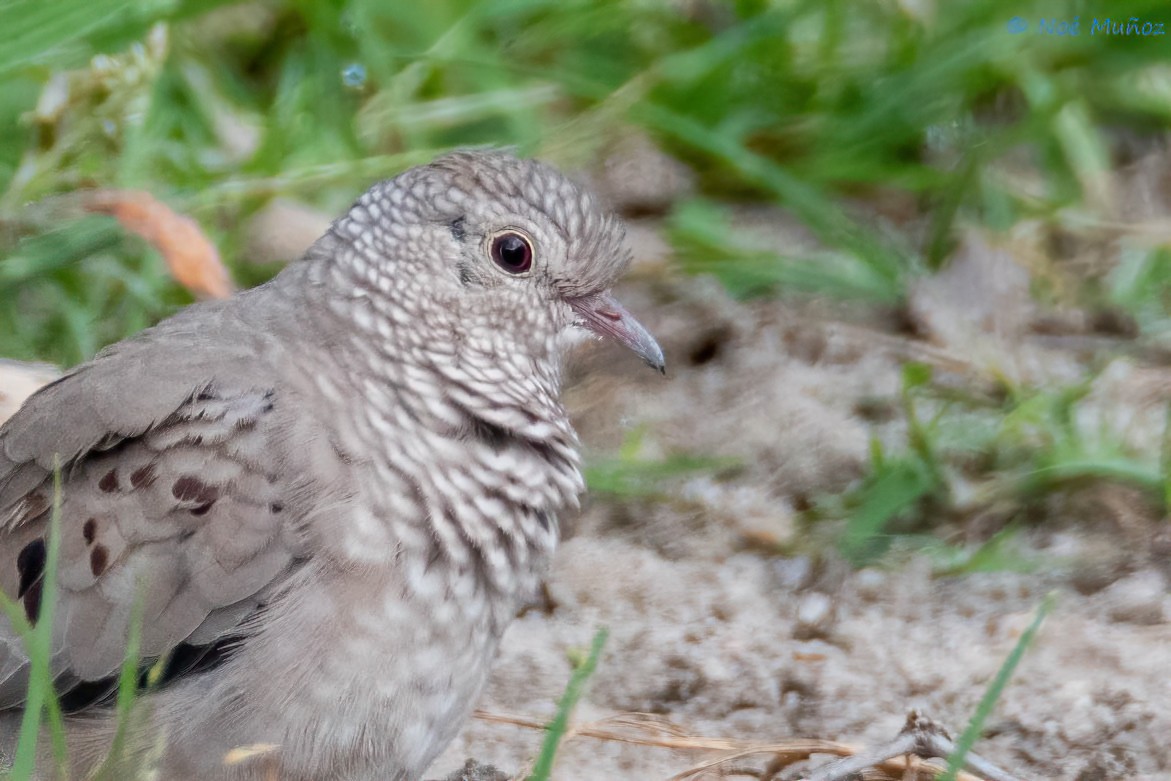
x=607, y=318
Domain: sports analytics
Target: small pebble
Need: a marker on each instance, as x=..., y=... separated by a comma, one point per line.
x=1140, y=598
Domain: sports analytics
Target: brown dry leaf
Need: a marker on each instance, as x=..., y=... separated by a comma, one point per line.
x=191, y=257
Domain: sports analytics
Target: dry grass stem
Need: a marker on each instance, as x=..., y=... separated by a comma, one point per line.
x=645, y=729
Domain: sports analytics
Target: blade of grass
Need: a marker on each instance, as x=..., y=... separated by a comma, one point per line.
x=1165, y=461
x=633, y=478
x=40, y=685
x=307, y=178
x=919, y=437
x=707, y=243
x=988, y=701
x=817, y=210
x=560, y=723
x=1080, y=467
x=127, y=694
x=33, y=28
x=889, y=492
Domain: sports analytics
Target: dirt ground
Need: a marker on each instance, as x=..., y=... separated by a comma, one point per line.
x=714, y=630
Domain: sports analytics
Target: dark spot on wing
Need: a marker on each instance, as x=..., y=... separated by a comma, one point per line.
x=276, y=507
x=189, y=488
x=32, y=601
x=30, y=564
x=143, y=477
x=99, y=557
x=109, y=481
x=89, y=530
x=203, y=508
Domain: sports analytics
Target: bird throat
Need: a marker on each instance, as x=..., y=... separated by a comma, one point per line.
x=471, y=452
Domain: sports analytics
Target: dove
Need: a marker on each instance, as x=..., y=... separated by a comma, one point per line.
x=326, y=497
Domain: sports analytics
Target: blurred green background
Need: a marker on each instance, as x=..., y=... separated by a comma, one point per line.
x=216, y=107
x=882, y=127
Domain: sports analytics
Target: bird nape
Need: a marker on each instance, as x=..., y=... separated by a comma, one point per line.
x=345, y=482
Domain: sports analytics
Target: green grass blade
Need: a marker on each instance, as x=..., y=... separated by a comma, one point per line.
x=560, y=723
x=820, y=212
x=40, y=685
x=34, y=28
x=1165, y=461
x=127, y=694
x=972, y=732
x=890, y=491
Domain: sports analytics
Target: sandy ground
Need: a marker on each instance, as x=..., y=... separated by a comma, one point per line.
x=715, y=629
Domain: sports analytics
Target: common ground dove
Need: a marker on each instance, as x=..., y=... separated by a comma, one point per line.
x=330, y=494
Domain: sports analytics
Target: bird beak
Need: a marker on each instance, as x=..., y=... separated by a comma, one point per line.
x=607, y=318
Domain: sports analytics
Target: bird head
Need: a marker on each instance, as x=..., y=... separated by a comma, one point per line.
x=508, y=247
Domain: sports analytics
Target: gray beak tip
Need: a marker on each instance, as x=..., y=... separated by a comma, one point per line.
x=657, y=363
x=604, y=316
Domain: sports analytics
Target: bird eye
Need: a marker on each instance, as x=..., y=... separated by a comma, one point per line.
x=512, y=252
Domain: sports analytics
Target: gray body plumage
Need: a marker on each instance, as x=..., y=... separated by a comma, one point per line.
x=348, y=478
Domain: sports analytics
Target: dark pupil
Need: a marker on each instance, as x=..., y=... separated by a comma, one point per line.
x=512, y=251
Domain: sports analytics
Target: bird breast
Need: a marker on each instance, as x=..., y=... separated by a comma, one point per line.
x=417, y=472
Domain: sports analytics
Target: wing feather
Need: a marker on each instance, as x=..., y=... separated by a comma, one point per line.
x=171, y=495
